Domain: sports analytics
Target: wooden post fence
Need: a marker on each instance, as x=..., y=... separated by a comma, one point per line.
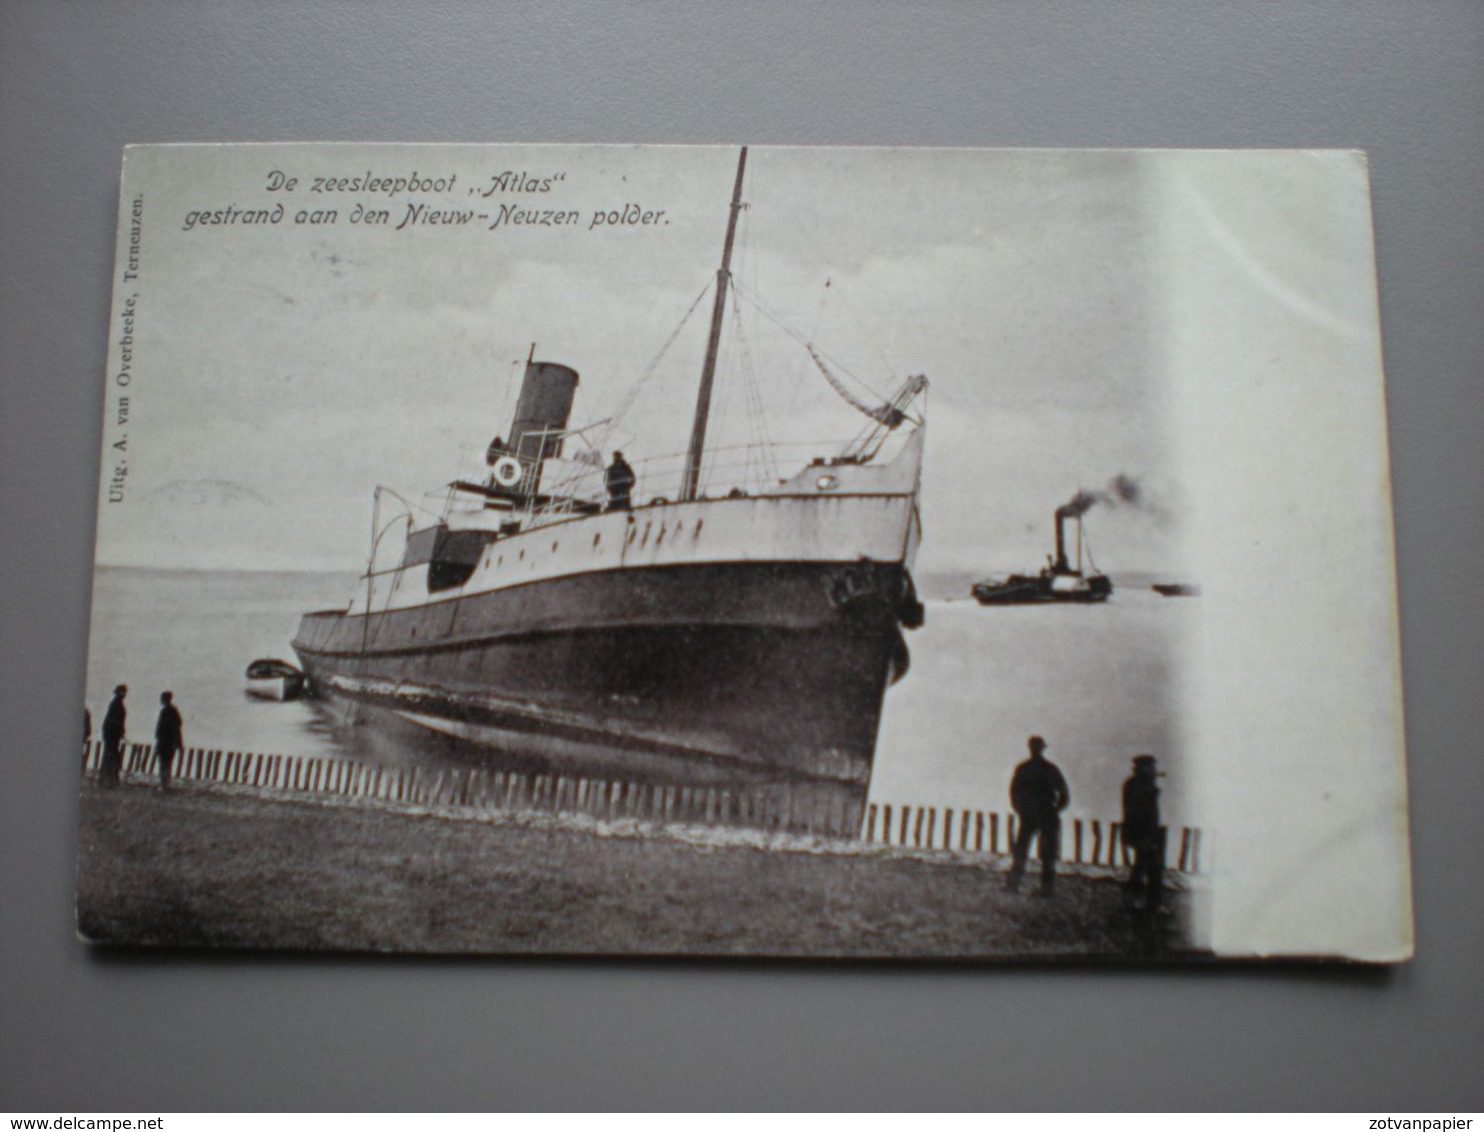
x=799, y=809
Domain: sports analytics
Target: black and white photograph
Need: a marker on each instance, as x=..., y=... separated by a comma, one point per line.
x=860, y=553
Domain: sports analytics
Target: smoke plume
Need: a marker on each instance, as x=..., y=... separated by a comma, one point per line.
x=1122, y=491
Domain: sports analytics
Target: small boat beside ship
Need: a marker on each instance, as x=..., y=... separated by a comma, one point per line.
x=272, y=679
x=1058, y=581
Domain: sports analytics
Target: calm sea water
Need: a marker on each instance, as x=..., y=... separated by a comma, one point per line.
x=1099, y=682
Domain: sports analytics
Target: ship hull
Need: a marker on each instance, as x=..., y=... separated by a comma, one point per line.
x=703, y=673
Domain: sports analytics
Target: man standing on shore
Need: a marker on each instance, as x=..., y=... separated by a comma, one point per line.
x=113, y=738
x=1143, y=834
x=167, y=738
x=1038, y=794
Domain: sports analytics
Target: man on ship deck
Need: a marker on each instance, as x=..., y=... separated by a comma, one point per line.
x=620, y=479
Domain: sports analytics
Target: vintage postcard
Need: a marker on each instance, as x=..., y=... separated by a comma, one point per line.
x=863, y=553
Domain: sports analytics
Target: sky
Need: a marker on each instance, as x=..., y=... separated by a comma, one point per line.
x=280, y=372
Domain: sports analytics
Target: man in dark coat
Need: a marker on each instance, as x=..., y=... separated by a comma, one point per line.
x=168, y=740
x=1039, y=794
x=1143, y=834
x=113, y=738
x=620, y=479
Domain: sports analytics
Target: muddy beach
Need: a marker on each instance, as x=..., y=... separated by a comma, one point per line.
x=204, y=867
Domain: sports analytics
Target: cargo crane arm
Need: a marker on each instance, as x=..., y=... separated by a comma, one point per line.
x=887, y=417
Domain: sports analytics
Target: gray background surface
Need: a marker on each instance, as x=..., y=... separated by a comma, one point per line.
x=81, y=1030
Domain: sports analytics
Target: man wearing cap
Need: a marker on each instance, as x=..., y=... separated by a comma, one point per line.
x=1143, y=834
x=1038, y=794
x=113, y=738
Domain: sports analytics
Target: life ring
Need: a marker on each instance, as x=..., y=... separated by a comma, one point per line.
x=508, y=472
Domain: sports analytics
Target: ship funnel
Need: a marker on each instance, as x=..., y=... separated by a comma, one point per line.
x=541, y=415
x=1061, y=566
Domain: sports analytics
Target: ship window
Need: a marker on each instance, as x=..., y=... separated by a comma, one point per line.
x=597, y=538
x=661, y=537
x=501, y=561
x=553, y=548
x=699, y=524
x=630, y=539
x=522, y=555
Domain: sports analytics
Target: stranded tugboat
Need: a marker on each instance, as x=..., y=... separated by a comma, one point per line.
x=737, y=638
x=1059, y=580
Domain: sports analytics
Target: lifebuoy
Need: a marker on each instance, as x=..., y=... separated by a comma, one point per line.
x=508, y=471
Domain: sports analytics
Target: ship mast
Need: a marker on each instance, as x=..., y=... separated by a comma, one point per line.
x=692, y=478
